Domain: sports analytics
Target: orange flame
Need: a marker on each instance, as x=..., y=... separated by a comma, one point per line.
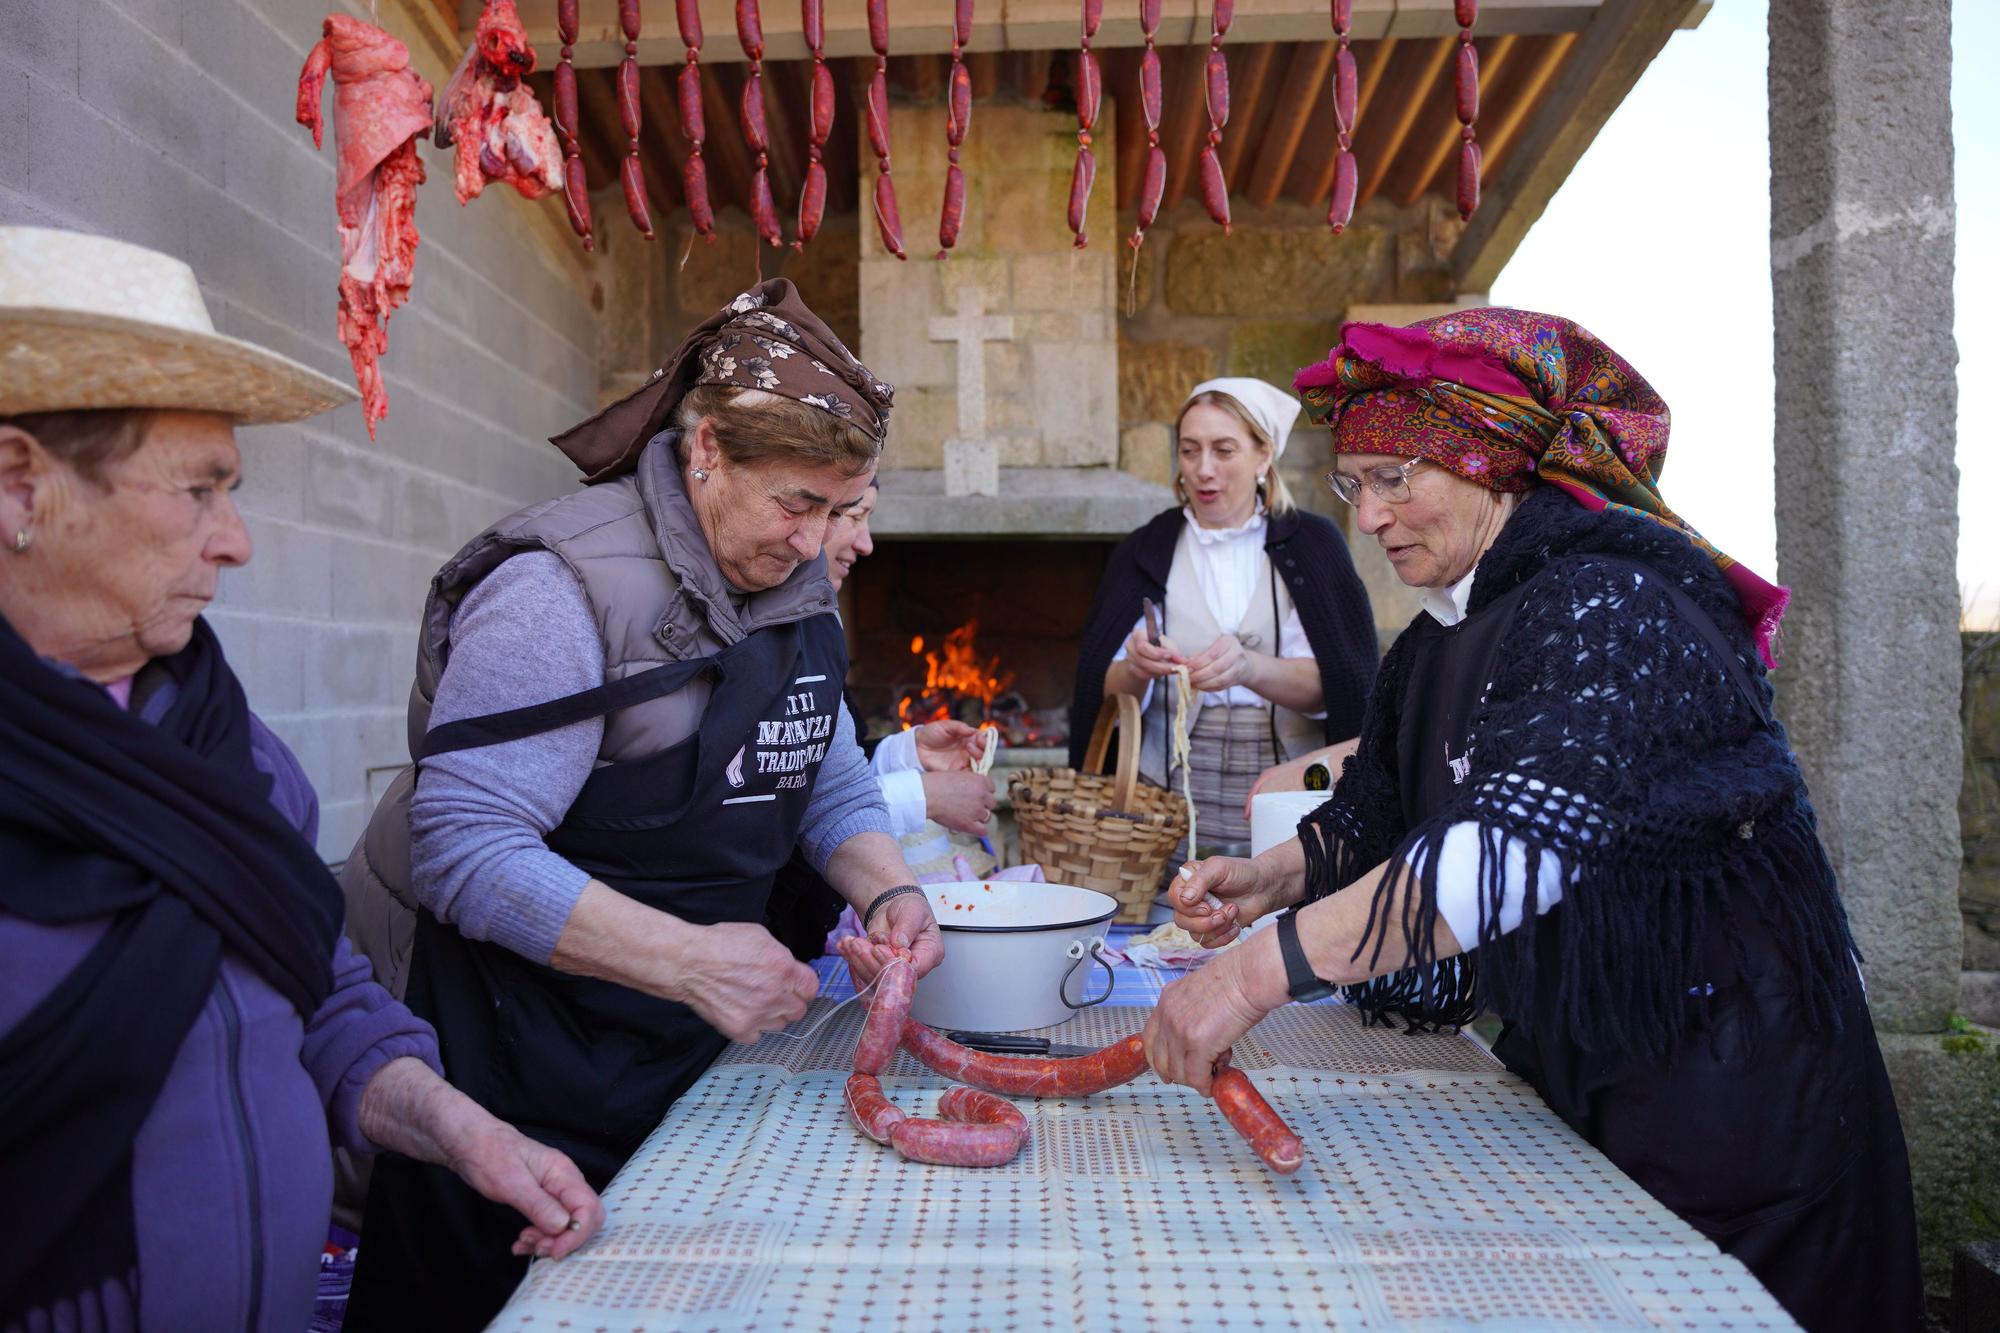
x=958, y=672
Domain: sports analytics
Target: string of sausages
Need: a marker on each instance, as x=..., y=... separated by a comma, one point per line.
x=1153, y=184
x=694, y=176
x=630, y=174
x=1346, y=92
x=576, y=190
x=763, y=209
x=978, y=1128
x=958, y=119
x=887, y=219
x=812, y=196
x=1466, y=82
x=1089, y=102
x=1214, y=190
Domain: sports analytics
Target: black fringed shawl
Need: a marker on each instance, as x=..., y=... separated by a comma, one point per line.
x=1306, y=550
x=1603, y=689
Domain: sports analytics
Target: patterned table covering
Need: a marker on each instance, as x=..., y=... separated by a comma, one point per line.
x=1438, y=1193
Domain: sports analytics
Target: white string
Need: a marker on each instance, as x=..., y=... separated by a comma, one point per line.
x=1182, y=749
x=984, y=764
x=808, y=1033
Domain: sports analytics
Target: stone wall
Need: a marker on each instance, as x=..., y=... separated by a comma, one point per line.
x=169, y=123
x=1979, y=804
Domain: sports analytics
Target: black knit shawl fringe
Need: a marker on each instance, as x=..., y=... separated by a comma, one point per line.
x=1726, y=843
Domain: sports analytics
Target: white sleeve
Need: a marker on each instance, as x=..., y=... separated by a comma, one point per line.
x=1292, y=642
x=1458, y=883
x=903, y=793
x=897, y=754
x=1119, y=656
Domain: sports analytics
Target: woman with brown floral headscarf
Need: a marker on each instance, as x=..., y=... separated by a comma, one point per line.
x=1571, y=804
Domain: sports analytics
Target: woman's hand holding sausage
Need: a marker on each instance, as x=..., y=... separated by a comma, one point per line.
x=905, y=924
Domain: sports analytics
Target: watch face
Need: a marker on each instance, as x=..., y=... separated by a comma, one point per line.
x=1318, y=778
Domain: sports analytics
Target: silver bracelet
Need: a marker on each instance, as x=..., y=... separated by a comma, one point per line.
x=884, y=897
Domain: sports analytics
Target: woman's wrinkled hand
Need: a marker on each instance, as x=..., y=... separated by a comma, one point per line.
x=743, y=983
x=1215, y=899
x=904, y=925
x=1149, y=659
x=1189, y=1032
x=959, y=801
x=1222, y=665
x=946, y=746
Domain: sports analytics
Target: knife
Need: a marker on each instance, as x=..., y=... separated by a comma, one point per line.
x=1008, y=1043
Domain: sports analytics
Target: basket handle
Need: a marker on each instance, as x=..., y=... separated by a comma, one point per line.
x=1127, y=722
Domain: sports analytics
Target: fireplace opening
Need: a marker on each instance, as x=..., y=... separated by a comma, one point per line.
x=978, y=630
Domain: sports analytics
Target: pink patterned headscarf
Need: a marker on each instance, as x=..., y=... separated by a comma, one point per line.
x=1508, y=399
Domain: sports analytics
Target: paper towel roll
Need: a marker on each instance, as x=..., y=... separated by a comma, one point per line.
x=1275, y=816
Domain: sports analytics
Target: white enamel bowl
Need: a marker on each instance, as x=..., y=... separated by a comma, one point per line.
x=1006, y=950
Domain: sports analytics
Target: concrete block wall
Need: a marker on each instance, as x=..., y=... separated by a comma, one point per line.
x=169, y=123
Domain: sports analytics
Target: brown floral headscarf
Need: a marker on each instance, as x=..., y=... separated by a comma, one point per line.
x=765, y=339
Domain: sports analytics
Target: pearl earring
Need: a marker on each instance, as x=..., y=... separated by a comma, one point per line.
x=20, y=541
x=701, y=474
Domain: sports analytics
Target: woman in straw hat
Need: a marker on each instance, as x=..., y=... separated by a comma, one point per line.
x=1257, y=599
x=628, y=712
x=1571, y=803
x=182, y=1026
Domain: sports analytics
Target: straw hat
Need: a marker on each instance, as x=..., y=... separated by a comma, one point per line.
x=87, y=322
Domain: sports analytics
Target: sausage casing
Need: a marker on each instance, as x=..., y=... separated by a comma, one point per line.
x=1252, y=1117
x=887, y=1010
x=874, y=1114
x=1026, y=1076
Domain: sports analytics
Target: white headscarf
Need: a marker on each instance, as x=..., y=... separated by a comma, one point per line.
x=1271, y=408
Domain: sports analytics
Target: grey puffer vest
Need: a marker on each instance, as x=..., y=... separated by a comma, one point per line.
x=657, y=596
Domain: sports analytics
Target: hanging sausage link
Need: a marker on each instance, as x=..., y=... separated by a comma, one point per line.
x=694, y=176
x=958, y=119
x=1089, y=102
x=1214, y=190
x=812, y=196
x=1346, y=93
x=887, y=219
x=630, y=174
x=576, y=190
x=763, y=209
x=1470, y=157
x=1154, y=183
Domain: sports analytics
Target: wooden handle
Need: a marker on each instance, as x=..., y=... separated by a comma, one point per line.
x=1127, y=722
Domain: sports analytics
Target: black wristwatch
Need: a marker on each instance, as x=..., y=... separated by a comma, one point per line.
x=1318, y=777
x=1301, y=982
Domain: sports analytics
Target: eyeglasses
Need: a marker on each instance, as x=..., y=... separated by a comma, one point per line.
x=1390, y=483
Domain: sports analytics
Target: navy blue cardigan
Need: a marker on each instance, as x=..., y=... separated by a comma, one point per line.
x=1306, y=550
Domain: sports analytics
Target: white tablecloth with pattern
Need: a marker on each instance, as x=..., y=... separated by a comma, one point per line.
x=1439, y=1193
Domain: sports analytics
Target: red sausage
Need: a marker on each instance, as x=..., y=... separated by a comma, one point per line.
x=1468, y=83
x=887, y=218
x=878, y=114
x=1214, y=191
x=764, y=209
x=1466, y=12
x=948, y=1143
x=628, y=97
x=576, y=195
x=1346, y=178
x=874, y=1114
x=1153, y=186
x=750, y=28
x=566, y=21
x=812, y=18
x=688, y=14
x=822, y=104
x=954, y=208
x=635, y=195
x=1346, y=90
x=962, y=21
x=566, y=121
x=694, y=181
x=1026, y=1076
x=1149, y=16
x=1343, y=15
x=1149, y=87
x=1469, y=162
x=1093, y=15
x=970, y=1106
x=958, y=109
x=812, y=203
x=688, y=85
x=1252, y=1117
x=878, y=26
x=1218, y=89
x=751, y=109
x=1089, y=89
x=1080, y=181
x=888, y=1009
x=1222, y=16
x=628, y=19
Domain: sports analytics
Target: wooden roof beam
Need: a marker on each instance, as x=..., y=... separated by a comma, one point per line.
x=1407, y=110
x=1020, y=25
x=1493, y=59
x=1250, y=112
x=1605, y=62
x=1308, y=78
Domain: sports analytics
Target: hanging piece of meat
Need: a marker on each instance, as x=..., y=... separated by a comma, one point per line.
x=380, y=106
x=492, y=118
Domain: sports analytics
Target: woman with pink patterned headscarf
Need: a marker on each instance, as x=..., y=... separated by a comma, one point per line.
x=1571, y=806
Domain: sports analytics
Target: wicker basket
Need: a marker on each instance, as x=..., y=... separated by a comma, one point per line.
x=1108, y=832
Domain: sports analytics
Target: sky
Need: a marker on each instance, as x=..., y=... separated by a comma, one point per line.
x=1700, y=296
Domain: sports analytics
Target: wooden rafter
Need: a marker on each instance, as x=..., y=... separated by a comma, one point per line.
x=1185, y=80
x=1250, y=71
x=1404, y=113
x=1496, y=136
x=1306, y=81
x=1443, y=143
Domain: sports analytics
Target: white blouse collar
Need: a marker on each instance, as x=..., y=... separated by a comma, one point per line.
x=1447, y=605
x=1251, y=527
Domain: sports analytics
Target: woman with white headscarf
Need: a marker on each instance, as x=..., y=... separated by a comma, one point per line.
x=1257, y=598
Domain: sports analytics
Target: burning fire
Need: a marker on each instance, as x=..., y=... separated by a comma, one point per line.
x=950, y=677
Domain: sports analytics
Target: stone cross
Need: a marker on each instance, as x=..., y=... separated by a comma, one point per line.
x=971, y=460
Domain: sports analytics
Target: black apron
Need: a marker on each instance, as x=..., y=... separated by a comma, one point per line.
x=589, y=1066
x=1782, y=1147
